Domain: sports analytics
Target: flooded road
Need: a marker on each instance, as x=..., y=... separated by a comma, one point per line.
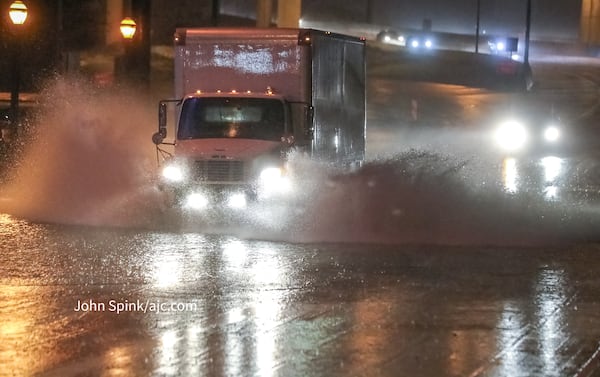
x=439, y=257
x=105, y=302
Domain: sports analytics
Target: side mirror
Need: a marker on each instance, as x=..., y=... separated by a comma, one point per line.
x=162, y=120
x=158, y=138
x=161, y=135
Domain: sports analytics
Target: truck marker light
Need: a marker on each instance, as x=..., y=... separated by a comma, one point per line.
x=198, y=91
x=233, y=91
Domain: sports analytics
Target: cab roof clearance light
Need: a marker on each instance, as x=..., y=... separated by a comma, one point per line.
x=268, y=91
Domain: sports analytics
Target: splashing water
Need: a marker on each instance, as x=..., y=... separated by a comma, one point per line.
x=425, y=198
x=92, y=163
x=89, y=160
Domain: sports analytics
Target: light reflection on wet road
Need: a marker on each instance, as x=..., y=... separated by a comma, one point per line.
x=276, y=309
x=221, y=305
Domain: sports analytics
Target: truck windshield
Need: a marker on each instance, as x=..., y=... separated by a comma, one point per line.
x=243, y=118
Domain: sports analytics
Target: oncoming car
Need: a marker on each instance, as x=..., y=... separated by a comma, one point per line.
x=520, y=134
x=420, y=42
x=391, y=37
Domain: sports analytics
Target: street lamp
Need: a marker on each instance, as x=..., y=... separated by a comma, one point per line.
x=128, y=28
x=18, y=14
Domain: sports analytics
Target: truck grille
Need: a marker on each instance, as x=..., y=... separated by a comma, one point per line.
x=219, y=170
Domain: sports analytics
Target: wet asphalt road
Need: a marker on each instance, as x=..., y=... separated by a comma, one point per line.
x=221, y=306
x=157, y=300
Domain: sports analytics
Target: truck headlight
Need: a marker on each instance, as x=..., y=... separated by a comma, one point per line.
x=274, y=180
x=196, y=201
x=270, y=176
x=173, y=173
x=511, y=135
x=552, y=134
x=237, y=200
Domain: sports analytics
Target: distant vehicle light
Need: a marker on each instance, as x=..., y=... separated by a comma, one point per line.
x=500, y=46
x=428, y=43
x=391, y=37
x=511, y=135
x=552, y=134
x=415, y=43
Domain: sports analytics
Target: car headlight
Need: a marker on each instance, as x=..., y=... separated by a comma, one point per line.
x=511, y=135
x=173, y=173
x=552, y=134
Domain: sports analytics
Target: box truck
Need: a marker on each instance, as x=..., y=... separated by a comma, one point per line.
x=245, y=99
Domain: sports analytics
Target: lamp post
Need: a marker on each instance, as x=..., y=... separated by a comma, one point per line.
x=527, y=32
x=128, y=28
x=18, y=15
x=477, y=27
